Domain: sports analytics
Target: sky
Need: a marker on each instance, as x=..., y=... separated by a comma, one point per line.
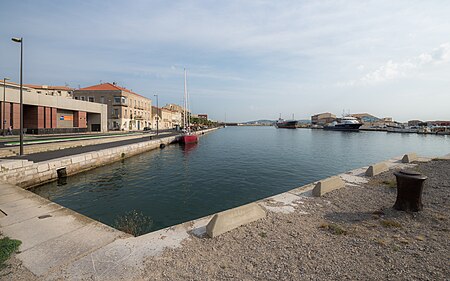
x=246, y=60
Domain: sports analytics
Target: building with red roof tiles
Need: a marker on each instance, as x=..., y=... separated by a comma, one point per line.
x=127, y=110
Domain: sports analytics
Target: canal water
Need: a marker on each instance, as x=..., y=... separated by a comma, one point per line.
x=227, y=168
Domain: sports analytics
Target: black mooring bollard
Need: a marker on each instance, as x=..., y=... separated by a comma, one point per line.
x=61, y=173
x=409, y=190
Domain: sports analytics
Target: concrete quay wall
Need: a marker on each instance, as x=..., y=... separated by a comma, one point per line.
x=76, y=247
x=27, y=174
x=36, y=148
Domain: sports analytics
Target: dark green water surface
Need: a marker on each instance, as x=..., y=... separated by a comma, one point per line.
x=228, y=168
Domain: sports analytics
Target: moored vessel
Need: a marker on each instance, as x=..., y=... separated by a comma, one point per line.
x=286, y=124
x=347, y=123
x=187, y=136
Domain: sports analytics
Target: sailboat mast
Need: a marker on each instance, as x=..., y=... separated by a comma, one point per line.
x=184, y=102
x=187, y=105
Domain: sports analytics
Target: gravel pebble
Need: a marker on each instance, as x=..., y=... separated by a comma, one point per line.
x=349, y=234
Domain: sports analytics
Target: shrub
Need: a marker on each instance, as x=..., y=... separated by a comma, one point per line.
x=7, y=247
x=390, y=183
x=390, y=223
x=134, y=223
x=333, y=228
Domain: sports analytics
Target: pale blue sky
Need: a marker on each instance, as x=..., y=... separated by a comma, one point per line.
x=248, y=59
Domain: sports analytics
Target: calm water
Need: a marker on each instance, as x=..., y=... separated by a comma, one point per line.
x=229, y=167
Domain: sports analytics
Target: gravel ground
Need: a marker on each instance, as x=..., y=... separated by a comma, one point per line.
x=348, y=234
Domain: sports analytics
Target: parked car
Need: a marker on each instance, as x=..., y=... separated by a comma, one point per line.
x=147, y=129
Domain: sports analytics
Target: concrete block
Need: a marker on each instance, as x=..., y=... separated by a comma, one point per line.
x=17, y=164
x=65, y=162
x=35, y=231
x=28, y=163
x=327, y=185
x=376, y=169
x=11, y=197
x=31, y=172
x=54, y=164
x=233, y=218
x=410, y=157
x=67, y=247
x=42, y=168
x=78, y=159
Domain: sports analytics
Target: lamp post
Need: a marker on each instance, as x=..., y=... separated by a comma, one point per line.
x=157, y=115
x=4, y=106
x=20, y=40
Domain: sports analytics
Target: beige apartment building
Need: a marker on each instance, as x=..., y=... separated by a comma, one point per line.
x=323, y=118
x=47, y=114
x=126, y=110
x=60, y=91
x=177, y=113
x=165, y=118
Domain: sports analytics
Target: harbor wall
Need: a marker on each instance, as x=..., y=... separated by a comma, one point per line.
x=27, y=174
x=66, y=239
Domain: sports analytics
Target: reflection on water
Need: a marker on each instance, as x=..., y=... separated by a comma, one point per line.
x=227, y=168
x=188, y=147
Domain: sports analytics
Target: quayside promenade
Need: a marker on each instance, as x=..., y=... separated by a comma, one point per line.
x=51, y=163
x=349, y=233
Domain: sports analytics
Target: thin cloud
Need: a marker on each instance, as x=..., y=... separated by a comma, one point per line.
x=395, y=70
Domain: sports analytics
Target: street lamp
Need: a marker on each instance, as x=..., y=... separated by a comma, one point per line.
x=157, y=116
x=4, y=106
x=20, y=40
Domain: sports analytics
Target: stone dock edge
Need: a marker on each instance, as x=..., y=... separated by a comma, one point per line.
x=28, y=174
x=77, y=246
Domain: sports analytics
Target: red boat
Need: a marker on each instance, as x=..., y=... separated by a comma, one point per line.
x=188, y=138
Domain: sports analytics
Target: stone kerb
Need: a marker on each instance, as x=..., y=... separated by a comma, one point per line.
x=410, y=157
x=327, y=185
x=230, y=219
x=376, y=169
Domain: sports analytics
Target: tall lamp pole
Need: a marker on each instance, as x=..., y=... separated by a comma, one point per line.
x=157, y=115
x=20, y=40
x=4, y=106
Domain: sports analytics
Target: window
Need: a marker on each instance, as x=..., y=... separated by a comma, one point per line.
x=91, y=99
x=82, y=98
x=116, y=112
x=77, y=98
x=102, y=99
x=120, y=100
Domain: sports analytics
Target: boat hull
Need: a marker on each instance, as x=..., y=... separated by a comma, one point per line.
x=344, y=127
x=188, y=139
x=287, y=125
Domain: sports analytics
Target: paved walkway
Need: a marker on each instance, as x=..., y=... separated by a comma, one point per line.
x=58, y=243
